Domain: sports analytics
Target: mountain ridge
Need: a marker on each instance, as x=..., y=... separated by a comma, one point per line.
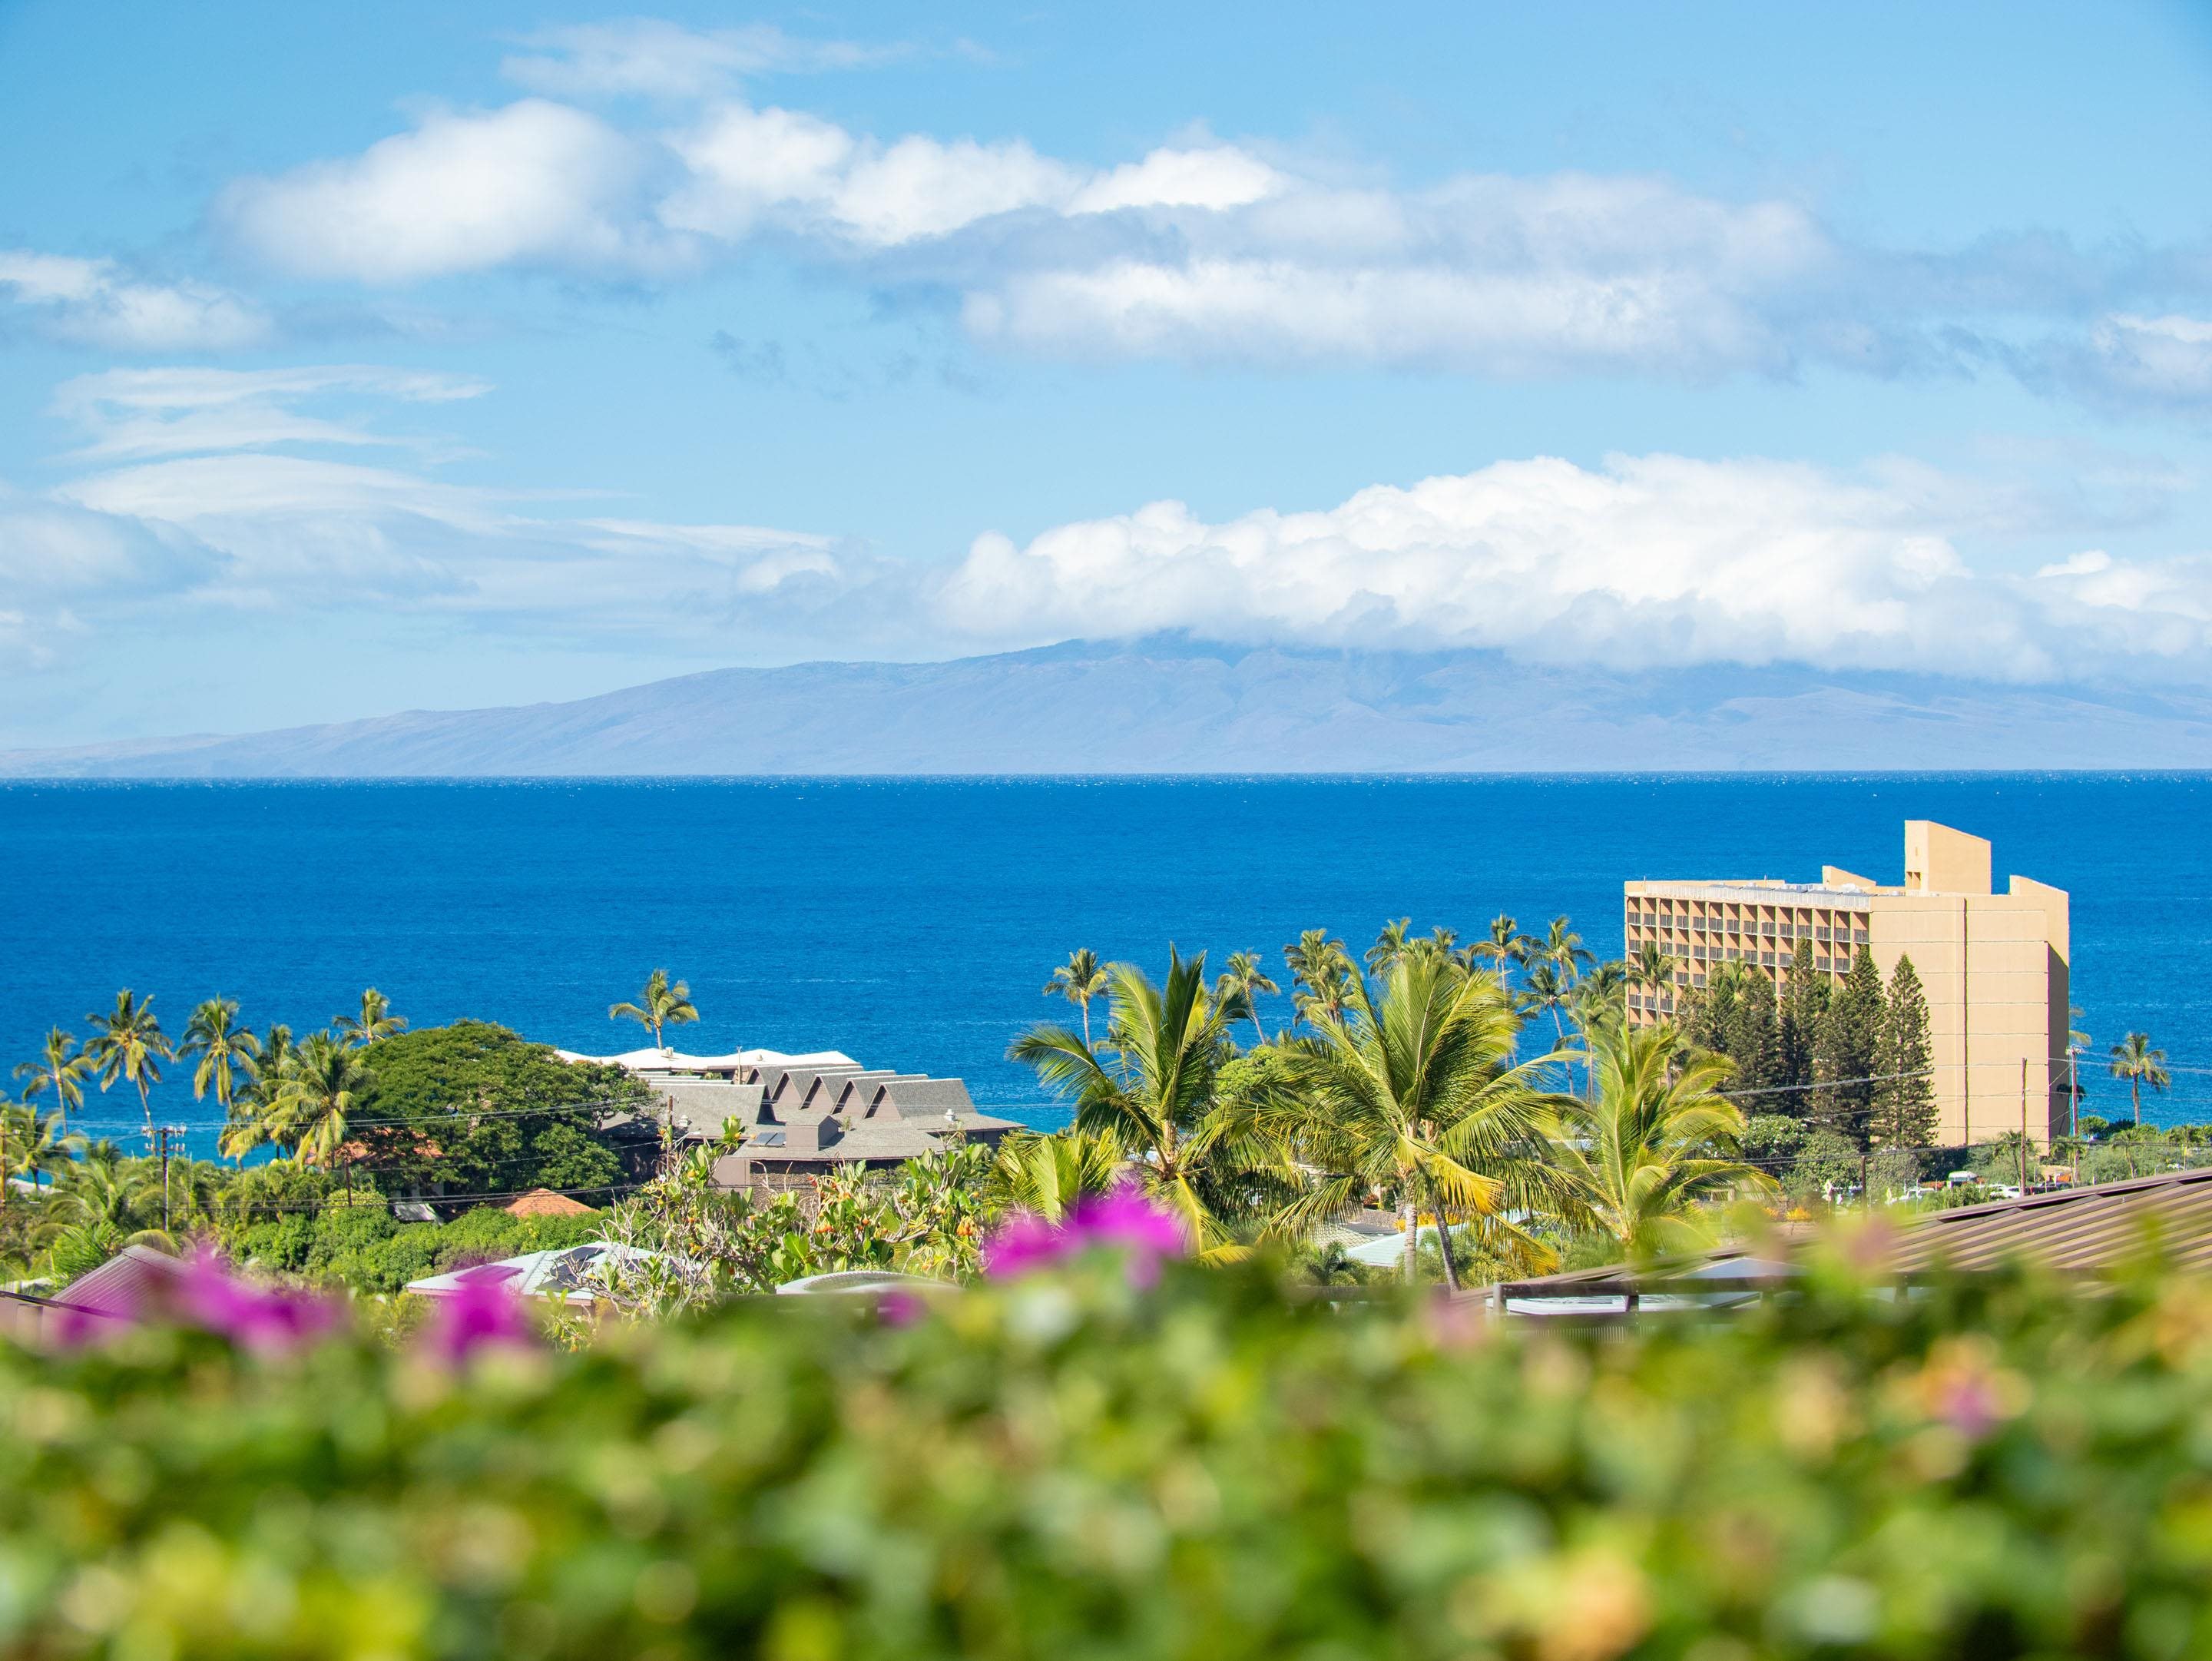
x=1172, y=704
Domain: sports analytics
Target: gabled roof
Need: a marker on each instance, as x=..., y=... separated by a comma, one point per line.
x=136, y=1282
x=2083, y=1231
x=562, y=1273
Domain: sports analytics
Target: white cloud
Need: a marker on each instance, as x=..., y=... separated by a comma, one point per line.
x=167, y=411
x=236, y=508
x=1647, y=561
x=650, y=57
x=533, y=185
x=94, y=302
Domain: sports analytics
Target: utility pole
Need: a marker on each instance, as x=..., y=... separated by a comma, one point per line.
x=162, y=1134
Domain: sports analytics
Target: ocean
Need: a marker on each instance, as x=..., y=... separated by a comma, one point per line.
x=911, y=923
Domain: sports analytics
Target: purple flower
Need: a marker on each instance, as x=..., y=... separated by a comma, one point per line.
x=271, y=1319
x=1124, y=1220
x=480, y=1312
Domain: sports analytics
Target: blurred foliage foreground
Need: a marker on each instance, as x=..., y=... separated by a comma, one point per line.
x=1073, y=1464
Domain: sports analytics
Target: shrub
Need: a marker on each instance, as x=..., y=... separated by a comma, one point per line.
x=1070, y=1467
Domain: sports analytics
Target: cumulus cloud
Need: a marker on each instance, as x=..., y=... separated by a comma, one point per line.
x=1646, y=562
x=534, y=184
x=1206, y=251
x=94, y=302
x=251, y=490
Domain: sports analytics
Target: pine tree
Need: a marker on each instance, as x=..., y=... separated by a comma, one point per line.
x=1754, y=1038
x=1905, y=1102
x=1804, y=1001
x=1705, y=1013
x=1848, y=1049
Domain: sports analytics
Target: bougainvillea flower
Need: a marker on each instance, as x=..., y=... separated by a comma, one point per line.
x=262, y=1317
x=477, y=1314
x=1125, y=1220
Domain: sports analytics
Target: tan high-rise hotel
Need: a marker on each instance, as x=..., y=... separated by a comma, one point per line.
x=1995, y=966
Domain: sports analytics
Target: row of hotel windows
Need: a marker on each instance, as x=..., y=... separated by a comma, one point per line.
x=1700, y=954
x=1678, y=916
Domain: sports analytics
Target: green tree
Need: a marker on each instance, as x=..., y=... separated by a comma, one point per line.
x=1505, y=947
x=2135, y=1062
x=374, y=1021
x=1151, y=1085
x=1652, y=968
x=1048, y=1176
x=1389, y=943
x=661, y=1004
x=1656, y=1138
x=225, y=1051
x=1239, y=987
x=1753, y=1043
x=1601, y=997
x=128, y=1043
x=309, y=1118
x=479, y=1110
x=1322, y=967
x=61, y=1068
x=1849, y=1051
x=1416, y=1091
x=32, y=1147
x=1079, y=980
x=1904, y=1099
x=1563, y=948
x=1549, y=990
x=1707, y=1012
x=1804, y=1006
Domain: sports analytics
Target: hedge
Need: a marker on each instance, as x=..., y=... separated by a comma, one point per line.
x=1072, y=1466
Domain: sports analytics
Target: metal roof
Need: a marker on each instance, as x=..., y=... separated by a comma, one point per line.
x=2082, y=1231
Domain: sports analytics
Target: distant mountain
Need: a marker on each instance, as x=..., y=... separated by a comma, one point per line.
x=1174, y=706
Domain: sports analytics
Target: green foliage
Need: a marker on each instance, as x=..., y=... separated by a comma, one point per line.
x=1069, y=1467
x=1905, y=1100
x=362, y=1246
x=1848, y=1050
x=485, y=1111
x=1826, y=1156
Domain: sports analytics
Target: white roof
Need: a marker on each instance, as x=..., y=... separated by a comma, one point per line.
x=676, y=1061
x=561, y=1273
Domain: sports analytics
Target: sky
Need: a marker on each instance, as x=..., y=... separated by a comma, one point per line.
x=361, y=359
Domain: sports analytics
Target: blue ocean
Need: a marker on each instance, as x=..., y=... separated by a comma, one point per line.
x=911, y=923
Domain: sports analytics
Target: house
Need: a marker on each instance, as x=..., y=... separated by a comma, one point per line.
x=2080, y=1233
x=803, y=1117
x=563, y=1274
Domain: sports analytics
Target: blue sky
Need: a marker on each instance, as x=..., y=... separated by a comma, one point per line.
x=356, y=359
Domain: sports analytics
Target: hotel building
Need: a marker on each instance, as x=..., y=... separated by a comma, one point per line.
x=1995, y=966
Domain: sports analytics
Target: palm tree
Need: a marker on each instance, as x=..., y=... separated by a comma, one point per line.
x=2134, y=1060
x=1653, y=966
x=129, y=1043
x=375, y=1021
x=1387, y=945
x=30, y=1145
x=62, y=1068
x=1239, y=985
x=1548, y=990
x=659, y=1005
x=1562, y=947
x=1601, y=997
x=309, y=1115
x=1167, y=1045
x=1506, y=945
x=225, y=1050
x=1415, y=1090
x=1656, y=1137
x=1047, y=1175
x=96, y=1210
x=1079, y=980
x=1324, y=968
